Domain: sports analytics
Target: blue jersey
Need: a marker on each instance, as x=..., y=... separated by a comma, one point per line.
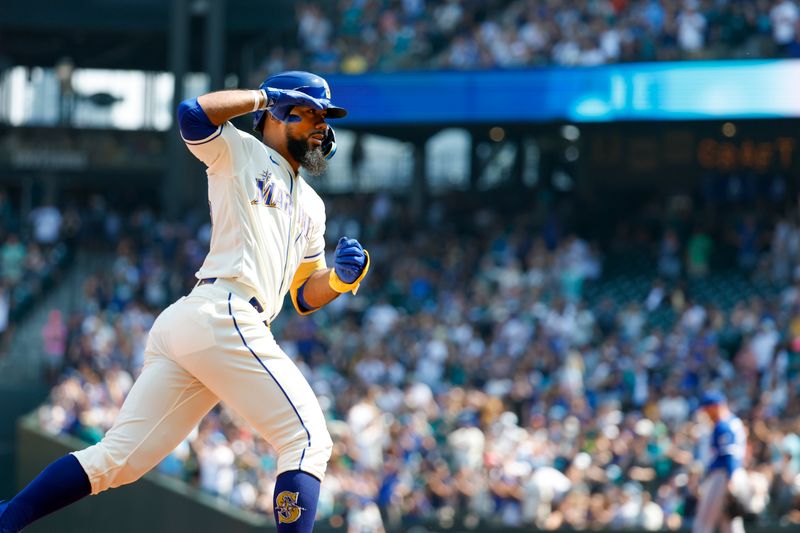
x=728, y=443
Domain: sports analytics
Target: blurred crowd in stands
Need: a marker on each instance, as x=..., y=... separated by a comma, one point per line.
x=494, y=370
x=355, y=36
x=31, y=252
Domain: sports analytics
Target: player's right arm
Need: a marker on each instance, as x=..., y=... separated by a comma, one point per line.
x=204, y=126
x=205, y=129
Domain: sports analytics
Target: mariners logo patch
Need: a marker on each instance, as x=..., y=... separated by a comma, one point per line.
x=265, y=190
x=287, y=508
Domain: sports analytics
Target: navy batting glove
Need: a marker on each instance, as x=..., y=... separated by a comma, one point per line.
x=281, y=101
x=329, y=144
x=349, y=259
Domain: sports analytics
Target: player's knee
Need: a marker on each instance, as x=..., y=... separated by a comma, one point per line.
x=127, y=472
x=123, y=471
x=307, y=452
x=320, y=452
x=325, y=446
x=319, y=442
x=107, y=468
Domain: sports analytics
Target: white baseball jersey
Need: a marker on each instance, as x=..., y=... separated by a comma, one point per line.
x=265, y=220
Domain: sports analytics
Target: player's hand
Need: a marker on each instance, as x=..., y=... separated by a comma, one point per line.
x=281, y=101
x=349, y=259
x=329, y=144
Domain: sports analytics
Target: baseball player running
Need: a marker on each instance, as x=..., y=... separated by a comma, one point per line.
x=725, y=477
x=215, y=344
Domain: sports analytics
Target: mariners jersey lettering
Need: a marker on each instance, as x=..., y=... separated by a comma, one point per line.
x=265, y=220
x=728, y=441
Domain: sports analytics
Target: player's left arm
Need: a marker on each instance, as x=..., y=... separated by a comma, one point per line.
x=314, y=285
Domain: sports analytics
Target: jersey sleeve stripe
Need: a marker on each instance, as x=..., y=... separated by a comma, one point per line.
x=315, y=255
x=210, y=138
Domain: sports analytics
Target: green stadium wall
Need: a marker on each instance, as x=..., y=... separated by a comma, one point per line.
x=154, y=504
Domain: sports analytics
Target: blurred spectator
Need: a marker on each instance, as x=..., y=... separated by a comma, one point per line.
x=364, y=516
x=12, y=259
x=8, y=216
x=54, y=336
x=46, y=222
x=747, y=243
x=669, y=262
x=784, y=16
x=698, y=254
x=5, y=308
x=655, y=297
x=691, y=28
x=785, y=250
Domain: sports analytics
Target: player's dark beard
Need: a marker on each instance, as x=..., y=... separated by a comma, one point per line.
x=309, y=157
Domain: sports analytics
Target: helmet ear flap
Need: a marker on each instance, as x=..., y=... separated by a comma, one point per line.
x=329, y=144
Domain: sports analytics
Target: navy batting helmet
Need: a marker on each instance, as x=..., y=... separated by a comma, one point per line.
x=305, y=82
x=712, y=397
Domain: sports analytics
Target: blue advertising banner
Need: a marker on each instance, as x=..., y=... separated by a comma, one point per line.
x=644, y=91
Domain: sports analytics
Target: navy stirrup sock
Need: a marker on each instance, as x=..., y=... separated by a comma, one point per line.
x=63, y=482
x=295, y=501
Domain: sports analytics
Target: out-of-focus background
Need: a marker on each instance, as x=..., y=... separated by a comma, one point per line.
x=581, y=214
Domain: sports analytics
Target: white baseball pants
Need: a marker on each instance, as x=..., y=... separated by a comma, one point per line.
x=710, y=508
x=207, y=347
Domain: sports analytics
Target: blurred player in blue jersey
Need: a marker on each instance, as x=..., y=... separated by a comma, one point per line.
x=726, y=479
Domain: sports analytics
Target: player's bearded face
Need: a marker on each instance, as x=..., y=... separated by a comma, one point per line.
x=309, y=155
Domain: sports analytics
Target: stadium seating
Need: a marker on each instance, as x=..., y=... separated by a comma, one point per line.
x=354, y=36
x=521, y=381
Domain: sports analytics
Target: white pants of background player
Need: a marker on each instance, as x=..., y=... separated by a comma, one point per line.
x=210, y=346
x=711, y=507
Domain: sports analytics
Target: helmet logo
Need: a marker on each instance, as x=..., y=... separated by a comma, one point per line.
x=327, y=89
